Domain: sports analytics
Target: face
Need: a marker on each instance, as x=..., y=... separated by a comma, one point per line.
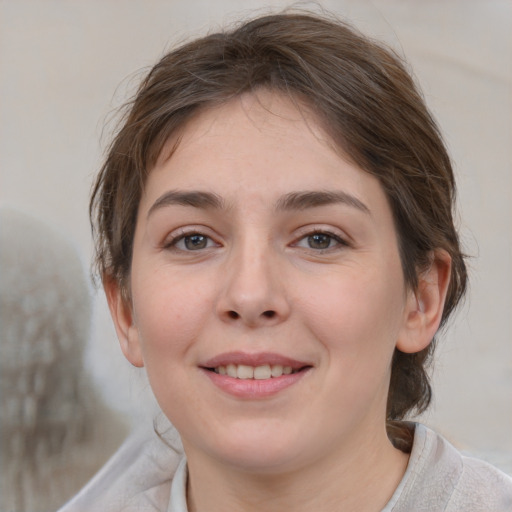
x=267, y=294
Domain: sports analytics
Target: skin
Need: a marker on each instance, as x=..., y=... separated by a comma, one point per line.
x=250, y=275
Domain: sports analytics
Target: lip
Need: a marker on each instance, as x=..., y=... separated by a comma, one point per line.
x=257, y=359
x=253, y=389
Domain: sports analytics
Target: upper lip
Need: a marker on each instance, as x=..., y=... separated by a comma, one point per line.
x=257, y=359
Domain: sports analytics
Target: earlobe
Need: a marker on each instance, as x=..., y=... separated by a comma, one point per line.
x=122, y=315
x=424, y=308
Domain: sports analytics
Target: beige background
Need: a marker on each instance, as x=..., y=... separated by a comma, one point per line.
x=66, y=64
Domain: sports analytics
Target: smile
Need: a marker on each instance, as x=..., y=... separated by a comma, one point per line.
x=254, y=376
x=266, y=371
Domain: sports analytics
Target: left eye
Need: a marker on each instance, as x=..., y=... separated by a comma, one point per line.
x=320, y=241
x=193, y=242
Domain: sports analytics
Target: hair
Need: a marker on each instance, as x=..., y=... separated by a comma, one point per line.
x=369, y=106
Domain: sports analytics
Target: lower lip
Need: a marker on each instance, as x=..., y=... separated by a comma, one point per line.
x=253, y=388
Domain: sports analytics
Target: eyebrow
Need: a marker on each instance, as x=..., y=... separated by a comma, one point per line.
x=204, y=200
x=292, y=201
x=312, y=199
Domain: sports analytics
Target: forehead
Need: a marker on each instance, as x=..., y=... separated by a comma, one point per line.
x=258, y=137
x=263, y=113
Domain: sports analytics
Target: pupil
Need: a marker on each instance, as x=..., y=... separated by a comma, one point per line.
x=194, y=242
x=319, y=241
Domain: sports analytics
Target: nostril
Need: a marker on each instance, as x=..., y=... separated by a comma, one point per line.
x=233, y=315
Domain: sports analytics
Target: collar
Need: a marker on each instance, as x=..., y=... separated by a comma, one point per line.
x=178, y=498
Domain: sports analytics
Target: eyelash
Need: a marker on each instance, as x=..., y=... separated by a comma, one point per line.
x=339, y=241
x=172, y=244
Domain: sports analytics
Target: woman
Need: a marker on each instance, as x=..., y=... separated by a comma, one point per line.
x=274, y=234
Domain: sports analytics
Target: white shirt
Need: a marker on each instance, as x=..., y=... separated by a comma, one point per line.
x=147, y=476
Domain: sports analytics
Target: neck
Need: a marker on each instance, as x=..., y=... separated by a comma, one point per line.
x=360, y=477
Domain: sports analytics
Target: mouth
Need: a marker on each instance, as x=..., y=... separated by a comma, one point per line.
x=260, y=372
x=254, y=376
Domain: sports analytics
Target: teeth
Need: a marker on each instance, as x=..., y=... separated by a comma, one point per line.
x=245, y=372
x=231, y=370
x=262, y=372
x=277, y=370
x=242, y=371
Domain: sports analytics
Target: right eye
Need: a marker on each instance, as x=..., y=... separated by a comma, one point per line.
x=192, y=242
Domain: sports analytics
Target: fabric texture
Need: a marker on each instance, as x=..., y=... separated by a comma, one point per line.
x=147, y=476
x=137, y=478
x=440, y=479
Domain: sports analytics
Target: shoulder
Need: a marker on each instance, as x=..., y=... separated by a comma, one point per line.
x=439, y=477
x=137, y=478
x=483, y=487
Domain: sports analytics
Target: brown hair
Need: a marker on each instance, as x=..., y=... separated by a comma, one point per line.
x=366, y=101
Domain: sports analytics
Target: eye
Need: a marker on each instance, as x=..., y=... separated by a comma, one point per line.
x=191, y=242
x=320, y=241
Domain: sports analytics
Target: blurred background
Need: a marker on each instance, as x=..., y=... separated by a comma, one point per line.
x=66, y=65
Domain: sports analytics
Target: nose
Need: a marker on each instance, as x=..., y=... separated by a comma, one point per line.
x=254, y=291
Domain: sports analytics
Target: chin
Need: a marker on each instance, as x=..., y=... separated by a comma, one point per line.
x=262, y=449
x=263, y=461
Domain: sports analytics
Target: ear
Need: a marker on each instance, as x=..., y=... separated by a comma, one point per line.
x=122, y=315
x=424, y=308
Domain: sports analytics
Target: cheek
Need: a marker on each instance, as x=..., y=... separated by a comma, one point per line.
x=169, y=319
x=358, y=313
x=355, y=320
x=169, y=313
